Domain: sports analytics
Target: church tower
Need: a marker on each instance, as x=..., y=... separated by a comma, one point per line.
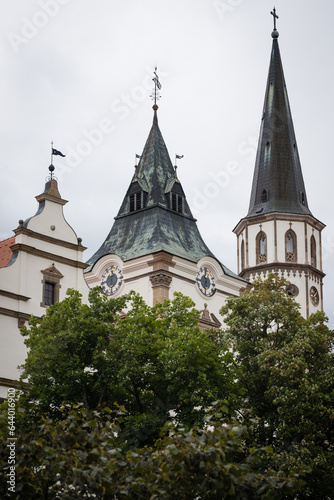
x=279, y=234
x=154, y=246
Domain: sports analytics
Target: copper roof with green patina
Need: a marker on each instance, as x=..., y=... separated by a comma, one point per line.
x=155, y=227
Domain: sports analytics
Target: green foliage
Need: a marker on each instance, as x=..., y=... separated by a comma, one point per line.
x=154, y=361
x=80, y=457
x=287, y=367
x=274, y=369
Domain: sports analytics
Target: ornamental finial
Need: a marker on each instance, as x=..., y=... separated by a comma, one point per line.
x=155, y=92
x=275, y=16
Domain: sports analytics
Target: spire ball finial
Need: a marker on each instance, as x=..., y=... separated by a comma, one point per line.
x=51, y=170
x=275, y=33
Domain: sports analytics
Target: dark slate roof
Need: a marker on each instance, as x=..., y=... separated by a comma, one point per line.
x=155, y=227
x=278, y=184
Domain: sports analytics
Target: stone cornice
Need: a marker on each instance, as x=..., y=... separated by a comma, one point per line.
x=287, y=266
x=161, y=260
x=14, y=314
x=260, y=219
x=14, y=296
x=49, y=197
x=20, y=247
x=184, y=278
x=49, y=239
x=8, y=382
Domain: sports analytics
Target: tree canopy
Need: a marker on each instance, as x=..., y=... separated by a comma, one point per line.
x=125, y=397
x=286, y=364
x=80, y=457
x=154, y=361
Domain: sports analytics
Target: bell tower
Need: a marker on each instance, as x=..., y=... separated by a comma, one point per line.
x=279, y=234
x=154, y=246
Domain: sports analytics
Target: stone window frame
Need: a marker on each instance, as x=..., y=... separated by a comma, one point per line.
x=290, y=256
x=313, y=248
x=261, y=258
x=53, y=276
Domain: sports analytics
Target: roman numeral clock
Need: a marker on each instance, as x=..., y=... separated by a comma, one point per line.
x=206, y=282
x=111, y=280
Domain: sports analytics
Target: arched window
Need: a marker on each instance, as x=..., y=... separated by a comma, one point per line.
x=290, y=246
x=313, y=252
x=242, y=255
x=261, y=248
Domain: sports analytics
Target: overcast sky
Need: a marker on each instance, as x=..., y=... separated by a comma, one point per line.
x=79, y=72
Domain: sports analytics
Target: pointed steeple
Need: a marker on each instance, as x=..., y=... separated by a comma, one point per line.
x=154, y=215
x=154, y=175
x=278, y=184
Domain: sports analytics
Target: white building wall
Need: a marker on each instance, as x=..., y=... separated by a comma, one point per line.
x=21, y=283
x=12, y=349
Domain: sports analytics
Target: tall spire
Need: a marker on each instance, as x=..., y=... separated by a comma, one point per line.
x=278, y=184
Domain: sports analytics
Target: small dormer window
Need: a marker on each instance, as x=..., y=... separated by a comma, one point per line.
x=176, y=202
x=264, y=196
x=136, y=201
x=302, y=198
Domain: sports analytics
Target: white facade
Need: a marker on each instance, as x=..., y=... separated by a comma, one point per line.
x=46, y=253
x=292, y=250
x=157, y=276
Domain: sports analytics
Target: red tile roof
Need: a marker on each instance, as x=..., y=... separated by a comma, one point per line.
x=5, y=251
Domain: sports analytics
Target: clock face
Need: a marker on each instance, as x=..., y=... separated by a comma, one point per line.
x=206, y=282
x=314, y=295
x=111, y=280
x=292, y=290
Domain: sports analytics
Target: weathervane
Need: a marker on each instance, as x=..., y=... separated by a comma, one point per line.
x=56, y=153
x=157, y=86
x=177, y=157
x=275, y=16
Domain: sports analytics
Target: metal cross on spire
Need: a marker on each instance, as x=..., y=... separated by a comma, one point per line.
x=157, y=86
x=275, y=16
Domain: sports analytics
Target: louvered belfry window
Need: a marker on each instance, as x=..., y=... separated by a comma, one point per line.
x=176, y=203
x=136, y=201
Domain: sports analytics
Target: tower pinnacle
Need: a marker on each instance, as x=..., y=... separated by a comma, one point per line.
x=155, y=92
x=275, y=33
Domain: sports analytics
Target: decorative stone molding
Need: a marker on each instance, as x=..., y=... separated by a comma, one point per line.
x=207, y=319
x=51, y=275
x=20, y=247
x=160, y=283
x=160, y=279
